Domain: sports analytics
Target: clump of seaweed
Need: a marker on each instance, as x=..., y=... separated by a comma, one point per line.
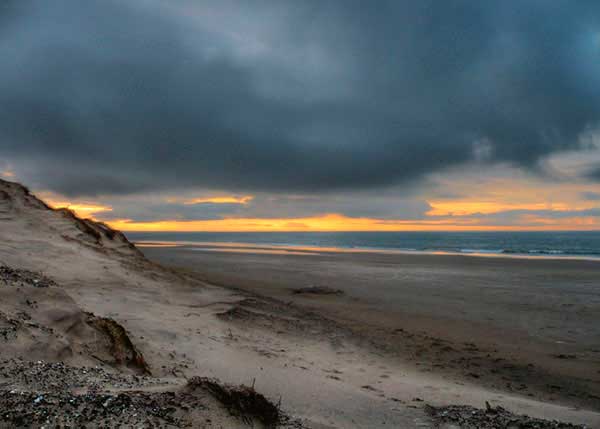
x=242, y=401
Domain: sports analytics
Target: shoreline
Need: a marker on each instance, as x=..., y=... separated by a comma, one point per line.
x=242, y=247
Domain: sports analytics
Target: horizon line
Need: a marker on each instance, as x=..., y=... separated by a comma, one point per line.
x=363, y=231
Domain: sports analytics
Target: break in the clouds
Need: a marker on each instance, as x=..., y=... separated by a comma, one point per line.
x=117, y=97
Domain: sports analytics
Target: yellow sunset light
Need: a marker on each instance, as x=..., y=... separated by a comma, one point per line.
x=337, y=222
x=220, y=200
x=465, y=208
x=80, y=209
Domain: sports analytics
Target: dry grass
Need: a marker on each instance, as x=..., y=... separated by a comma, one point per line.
x=242, y=401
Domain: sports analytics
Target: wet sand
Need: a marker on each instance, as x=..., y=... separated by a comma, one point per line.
x=526, y=326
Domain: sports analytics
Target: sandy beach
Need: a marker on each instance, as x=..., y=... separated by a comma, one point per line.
x=523, y=326
x=97, y=332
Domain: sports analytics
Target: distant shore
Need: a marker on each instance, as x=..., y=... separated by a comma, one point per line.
x=527, y=326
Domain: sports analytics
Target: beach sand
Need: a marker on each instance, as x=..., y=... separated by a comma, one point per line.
x=528, y=328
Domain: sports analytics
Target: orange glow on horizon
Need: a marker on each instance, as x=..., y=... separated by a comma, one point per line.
x=495, y=204
x=337, y=222
x=465, y=208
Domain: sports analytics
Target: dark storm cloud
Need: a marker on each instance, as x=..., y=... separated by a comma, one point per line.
x=594, y=175
x=119, y=97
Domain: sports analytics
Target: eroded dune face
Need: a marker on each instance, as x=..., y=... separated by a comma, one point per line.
x=40, y=321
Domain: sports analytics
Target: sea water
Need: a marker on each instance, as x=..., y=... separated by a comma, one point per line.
x=556, y=244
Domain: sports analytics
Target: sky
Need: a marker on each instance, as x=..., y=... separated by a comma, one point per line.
x=313, y=115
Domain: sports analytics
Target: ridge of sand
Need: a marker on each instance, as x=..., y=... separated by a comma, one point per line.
x=183, y=327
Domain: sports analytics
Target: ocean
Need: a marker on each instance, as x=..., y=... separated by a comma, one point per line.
x=557, y=244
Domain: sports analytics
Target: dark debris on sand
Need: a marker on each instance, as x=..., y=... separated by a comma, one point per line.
x=317, y=290
x=466, y=417
x=57, y=377
x=45, y=394
x=13, y=276
x=27, y=409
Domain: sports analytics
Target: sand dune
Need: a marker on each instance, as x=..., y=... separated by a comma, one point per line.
x=62, y=340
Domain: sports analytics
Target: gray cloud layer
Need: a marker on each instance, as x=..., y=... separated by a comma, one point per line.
x=265, y=206
x=124, y=96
